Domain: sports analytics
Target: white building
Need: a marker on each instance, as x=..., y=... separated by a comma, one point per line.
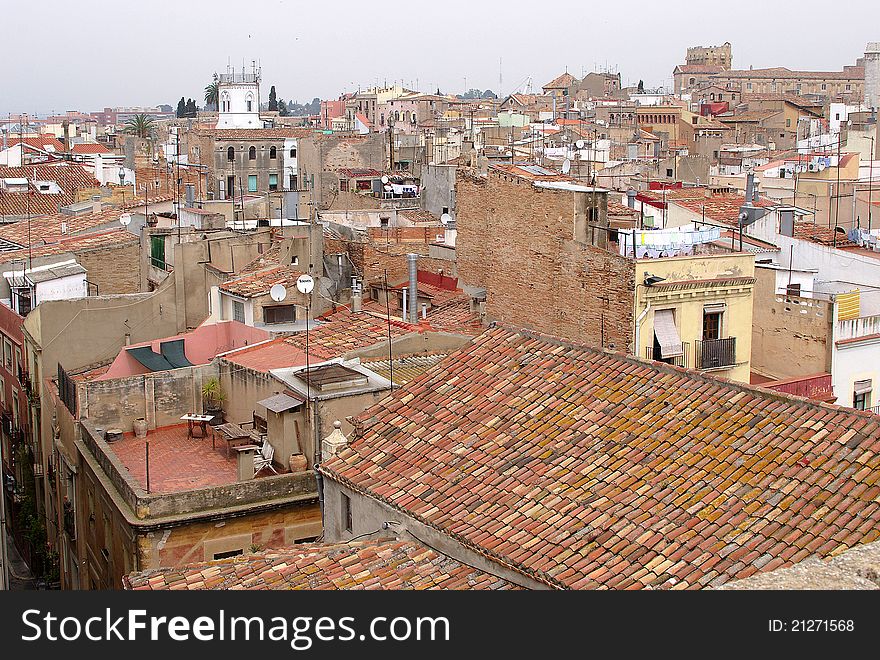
x=239, y=99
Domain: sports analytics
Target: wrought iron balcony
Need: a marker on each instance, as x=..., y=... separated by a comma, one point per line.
x=715, y=353
x=679, y=360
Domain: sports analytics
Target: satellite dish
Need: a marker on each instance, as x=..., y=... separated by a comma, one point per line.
x=445, y=218
x=566, y=166
x=580, y=144
x=305, y=284
x=821, y=165
x=384, y=179
x=125, y=219
x=278, y=292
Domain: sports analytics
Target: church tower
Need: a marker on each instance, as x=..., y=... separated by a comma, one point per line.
x=239, y=98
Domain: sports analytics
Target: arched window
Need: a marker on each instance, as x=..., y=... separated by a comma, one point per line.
x=273, y=153
x=252, y=153
x=224, y=102
x=230, y=153
x=414, y=118
x=249, y=101
x=397, y=115
x=293, y=153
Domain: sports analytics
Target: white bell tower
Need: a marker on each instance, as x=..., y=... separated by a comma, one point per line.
x=239, y=99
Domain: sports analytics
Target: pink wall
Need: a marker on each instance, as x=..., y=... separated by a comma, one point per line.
x=201, y=346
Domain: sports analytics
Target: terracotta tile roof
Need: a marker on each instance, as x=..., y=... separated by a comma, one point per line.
x=564, y=81
x=275, y=354
x=618, y=209
x=90, y=148
x=720, y=208
x=44, y=142
x=748, y=116
x=588, y=469
x=55, y=227
x=344, y=331
x=260, y=282
x=821, y=234
x=69, y=178
x=849, y=73
x=403, y=369
x=366, y=565
x=271, y=258
x=455, y=316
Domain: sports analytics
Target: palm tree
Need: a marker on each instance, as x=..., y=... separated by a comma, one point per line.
x=212, y=93
x=140, y=125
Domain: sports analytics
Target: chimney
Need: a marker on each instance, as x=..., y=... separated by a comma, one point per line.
x=333, y=443
x=631, y=198
x=96, y=204
x=750, y=188
x=356, y=302
x=413, y=311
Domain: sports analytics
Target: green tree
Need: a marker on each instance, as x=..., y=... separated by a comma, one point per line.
x=273, y=100
x=140, y=125
x=191, y=109
x=181, y=107
x=641, y=87
x=283, y=110
x=489, y=94
x=212, y=94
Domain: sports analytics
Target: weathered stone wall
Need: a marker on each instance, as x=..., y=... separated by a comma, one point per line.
x=517, y=241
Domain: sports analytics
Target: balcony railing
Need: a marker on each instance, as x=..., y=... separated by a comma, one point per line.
x=875, y=410
x=678, y=360
x=715, y=353
x=69, y=520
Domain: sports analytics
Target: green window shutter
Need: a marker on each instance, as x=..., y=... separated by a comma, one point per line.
x=252, y=183
x=157, y=252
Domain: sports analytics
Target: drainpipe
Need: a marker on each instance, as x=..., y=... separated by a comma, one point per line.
x=639, y=320
x=413, y=301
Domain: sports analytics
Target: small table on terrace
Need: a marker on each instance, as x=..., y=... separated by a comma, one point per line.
x=192, y=420
x=233, y=434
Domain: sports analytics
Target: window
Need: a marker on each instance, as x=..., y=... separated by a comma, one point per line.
x=279, y=314
x=720, y=97
x=749, y=86
x=669, y=172
x=862, y=394
x=238, y=311
x=824, y=87
x=252, y=183
x=252, y=153
x=293, y=152
x=230, y=153
x=848, y=87
x=788, y=122
x=836, y=116
x=18, y=363
x=346, y=513
x=273, y=153
x=228, y=554
x=7, y=354
x=273, y=182
x=711, y=325
x=292, y=182
x=3, y=392
x=793, y=290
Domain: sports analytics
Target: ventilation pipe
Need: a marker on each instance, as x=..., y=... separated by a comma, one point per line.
x=750, y=188
x=631, y=198
x=413, y=306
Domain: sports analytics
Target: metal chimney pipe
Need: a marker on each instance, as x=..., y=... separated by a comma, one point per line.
x=750, y=188
x=413, y=302
x=631, y=198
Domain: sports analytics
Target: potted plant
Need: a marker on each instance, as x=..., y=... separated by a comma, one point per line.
x=213, y=397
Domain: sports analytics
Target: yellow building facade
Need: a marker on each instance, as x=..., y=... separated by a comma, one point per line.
x=696, y=312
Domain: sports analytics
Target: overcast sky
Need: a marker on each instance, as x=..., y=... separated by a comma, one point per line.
x=90, y=54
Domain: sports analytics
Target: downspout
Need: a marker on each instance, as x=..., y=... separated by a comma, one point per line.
x=639, y=320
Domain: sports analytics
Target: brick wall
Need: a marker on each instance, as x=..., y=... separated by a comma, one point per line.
x=378, y=258
x=517, y=242
x=114, y=269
